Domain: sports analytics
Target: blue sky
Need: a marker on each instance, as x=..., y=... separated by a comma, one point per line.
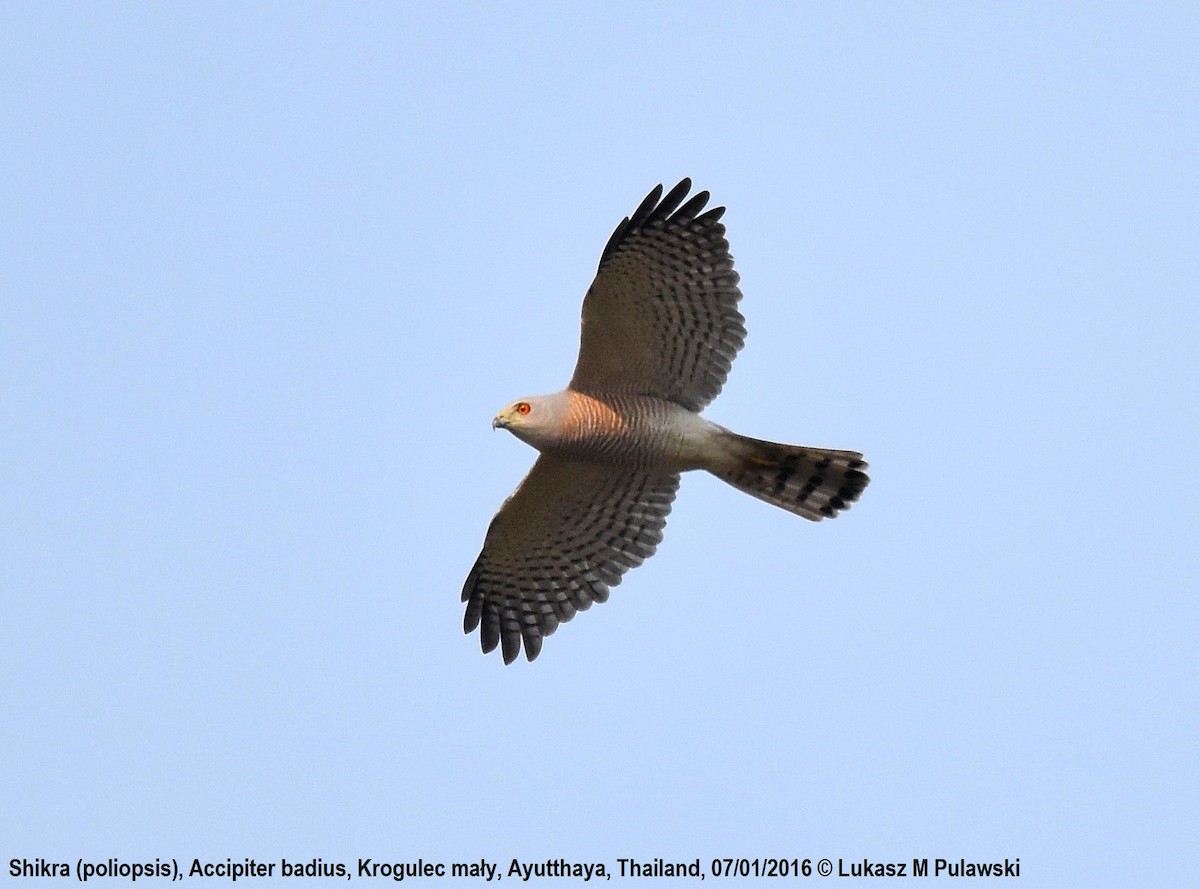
x=268, y=271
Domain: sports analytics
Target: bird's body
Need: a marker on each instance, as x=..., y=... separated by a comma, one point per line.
x=660, y=331
x=632, y=431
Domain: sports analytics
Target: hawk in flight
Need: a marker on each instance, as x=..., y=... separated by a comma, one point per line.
x=661, y=328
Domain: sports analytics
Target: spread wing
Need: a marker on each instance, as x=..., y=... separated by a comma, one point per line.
x=661, y=316
x=567, y=534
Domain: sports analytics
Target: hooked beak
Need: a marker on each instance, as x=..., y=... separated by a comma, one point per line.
x=499, y=423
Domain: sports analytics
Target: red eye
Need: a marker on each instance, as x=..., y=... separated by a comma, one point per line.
x=523, y=407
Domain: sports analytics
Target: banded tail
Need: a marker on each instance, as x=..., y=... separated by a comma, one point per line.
x=812, y=482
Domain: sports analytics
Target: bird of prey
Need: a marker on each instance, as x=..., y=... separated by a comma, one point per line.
x=660, y=330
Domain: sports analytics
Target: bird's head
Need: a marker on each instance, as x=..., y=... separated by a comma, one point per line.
x=535, y=420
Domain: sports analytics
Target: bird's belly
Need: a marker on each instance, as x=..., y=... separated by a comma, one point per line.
x=642, y=433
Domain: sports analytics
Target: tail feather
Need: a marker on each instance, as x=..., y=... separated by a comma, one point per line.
x=816, y=483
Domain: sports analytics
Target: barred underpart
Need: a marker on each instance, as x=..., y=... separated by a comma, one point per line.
x=661, y=317
x=568, y=534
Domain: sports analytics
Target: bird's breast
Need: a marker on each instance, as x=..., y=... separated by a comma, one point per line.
x=637, y=431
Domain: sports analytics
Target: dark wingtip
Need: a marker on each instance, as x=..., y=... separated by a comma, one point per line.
x=671, y=202
x=511, y=646
x=657, y=209
x=646, y=207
